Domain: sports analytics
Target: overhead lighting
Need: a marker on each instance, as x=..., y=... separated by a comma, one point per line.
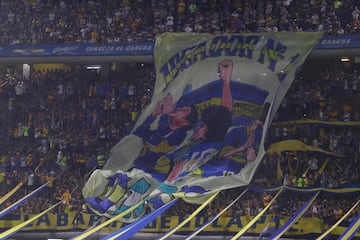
x=91, y=67
x=345, y=59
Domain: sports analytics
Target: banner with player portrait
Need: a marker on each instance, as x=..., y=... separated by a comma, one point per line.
x=205, y=129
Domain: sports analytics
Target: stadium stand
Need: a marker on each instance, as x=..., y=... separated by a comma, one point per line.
x=58, y=121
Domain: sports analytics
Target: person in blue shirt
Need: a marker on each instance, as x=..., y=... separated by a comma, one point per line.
x=173, y=125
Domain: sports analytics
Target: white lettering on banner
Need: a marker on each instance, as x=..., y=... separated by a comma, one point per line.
x=66, y=221
x=35, y=50
x=64, y=49
x=336, y=41
x=138, y=47
x=100, y=49
x=118, y=48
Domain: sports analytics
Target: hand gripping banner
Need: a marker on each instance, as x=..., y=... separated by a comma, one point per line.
x=204, y=131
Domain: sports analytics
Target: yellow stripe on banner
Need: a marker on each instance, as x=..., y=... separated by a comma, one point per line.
x=338, y=222
x=244, y=229
x=295, y=219
x=104, y=224
x=20, y=200
x=217, y=216
x=330, y=190
x=190, y=217
x=309, y=190
x=118, y=235
x=332, y=123
x=323, y=166
x=351, y=231
x=306, y=171
x=9, y=194
x=94, y=225
x=13, y=230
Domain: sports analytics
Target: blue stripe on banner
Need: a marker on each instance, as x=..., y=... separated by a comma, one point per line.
x=294, y=218
x=193, y=234
x=11, y=231
x=14, y=205
x=351, y=230
x=131, y=229
x=121, y=230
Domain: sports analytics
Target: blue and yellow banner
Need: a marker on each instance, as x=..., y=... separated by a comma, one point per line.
x=294, y=145
x=223, y=225
x=204, y=131
x=299, y=213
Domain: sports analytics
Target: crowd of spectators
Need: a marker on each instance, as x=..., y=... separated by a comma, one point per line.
x=321, y=110
x=64, y=123
x=67, y=120
x=61, y=124
x=98, y=21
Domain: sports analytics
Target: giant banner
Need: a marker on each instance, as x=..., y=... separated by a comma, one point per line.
x=214, y=98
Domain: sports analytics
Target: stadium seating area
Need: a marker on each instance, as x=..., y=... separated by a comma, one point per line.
x=96, y=21
x=62, y=123
x=68, y=124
